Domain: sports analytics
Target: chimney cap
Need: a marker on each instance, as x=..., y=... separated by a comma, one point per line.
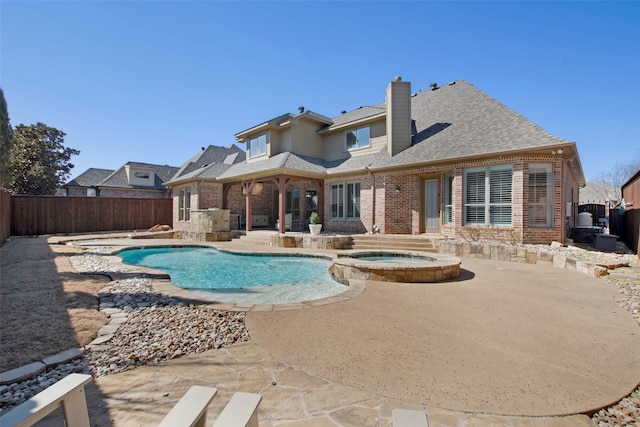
x=397, y=79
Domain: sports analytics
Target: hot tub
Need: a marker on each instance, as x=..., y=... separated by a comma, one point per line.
x=395, y=266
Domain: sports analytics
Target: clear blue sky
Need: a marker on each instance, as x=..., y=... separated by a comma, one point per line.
x=153, y=81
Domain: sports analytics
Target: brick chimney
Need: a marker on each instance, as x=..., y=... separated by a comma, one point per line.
x=398, y=102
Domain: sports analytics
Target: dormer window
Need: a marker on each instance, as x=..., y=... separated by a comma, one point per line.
x=137, y=175
x=258, y=145
x=141, y=175
x=358, y=138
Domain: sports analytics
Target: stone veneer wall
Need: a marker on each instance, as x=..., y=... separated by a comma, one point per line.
x=308, y=241
x=495, y=251
x=521, y=254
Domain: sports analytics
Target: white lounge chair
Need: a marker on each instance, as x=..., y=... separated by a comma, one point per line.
x=191, y=410
x=68, y=393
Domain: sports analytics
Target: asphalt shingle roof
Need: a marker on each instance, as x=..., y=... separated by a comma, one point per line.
x=598, y=193
x=119, y=179
x=457, y=120
x=208, y=156
x=451, y=122
x=358, y=114
x=286, y=160
x=90, y=177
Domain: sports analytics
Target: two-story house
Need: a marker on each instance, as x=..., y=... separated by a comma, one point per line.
x=446, y=160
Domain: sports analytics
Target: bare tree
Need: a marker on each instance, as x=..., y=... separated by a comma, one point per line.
x=619, y=174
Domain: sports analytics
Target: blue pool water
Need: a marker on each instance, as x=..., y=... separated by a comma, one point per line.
x=242, y=278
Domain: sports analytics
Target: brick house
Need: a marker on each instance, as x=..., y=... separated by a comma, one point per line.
x=133, y=179
x=86, y=183
x=450, y=160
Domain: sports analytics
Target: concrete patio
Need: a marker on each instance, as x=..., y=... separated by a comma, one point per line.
x=504, y=344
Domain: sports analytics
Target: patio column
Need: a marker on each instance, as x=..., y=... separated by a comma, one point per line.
x=281, y=182
x=247, y=188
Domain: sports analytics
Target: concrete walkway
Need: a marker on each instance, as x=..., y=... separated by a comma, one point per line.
x=506, y=344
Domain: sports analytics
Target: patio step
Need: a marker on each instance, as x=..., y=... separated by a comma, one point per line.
x=423, y=243
x=397, y=242
x=258, y=237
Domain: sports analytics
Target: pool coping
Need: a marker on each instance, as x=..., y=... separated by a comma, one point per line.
x=161, y=281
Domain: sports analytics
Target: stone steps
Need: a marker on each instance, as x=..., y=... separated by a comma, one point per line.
x=259, y=238
x=395, y=242
x=360, y=241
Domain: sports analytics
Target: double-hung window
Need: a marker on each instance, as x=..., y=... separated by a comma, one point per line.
x=540, y=195
x=345, y=200
x=487, y=195
x=258, y=145
x=184, y=204
x=358, y=138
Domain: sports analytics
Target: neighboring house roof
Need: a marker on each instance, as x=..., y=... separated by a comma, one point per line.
x=119, y=178
x=90, y=178
x=598, y=193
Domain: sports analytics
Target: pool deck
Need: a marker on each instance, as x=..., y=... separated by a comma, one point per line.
x=504, y=344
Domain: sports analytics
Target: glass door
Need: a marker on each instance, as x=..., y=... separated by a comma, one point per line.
x=431, y=206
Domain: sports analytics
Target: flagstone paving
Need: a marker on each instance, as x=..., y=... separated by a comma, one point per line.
x=290, y=396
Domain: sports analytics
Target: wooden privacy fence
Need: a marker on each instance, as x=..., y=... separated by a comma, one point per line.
x=35, y=215
x=627, y=226
x=5, y=216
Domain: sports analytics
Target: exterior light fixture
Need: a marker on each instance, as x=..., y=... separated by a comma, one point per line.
x=397, y=188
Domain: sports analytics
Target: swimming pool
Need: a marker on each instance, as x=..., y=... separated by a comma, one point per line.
x=240, y=278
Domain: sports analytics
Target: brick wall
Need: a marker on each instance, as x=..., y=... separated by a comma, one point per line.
x=235, y=199
x=353, y=226
x=76, y=191
x=402, y=212
x=209, y=196
x=147, y=194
